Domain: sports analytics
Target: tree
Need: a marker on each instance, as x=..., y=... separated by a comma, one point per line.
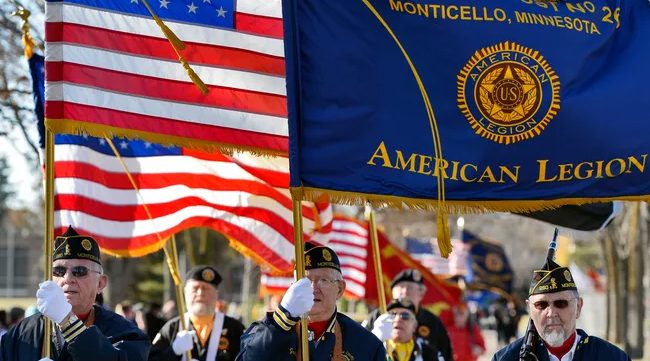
x=17, y=119
x=5, y=188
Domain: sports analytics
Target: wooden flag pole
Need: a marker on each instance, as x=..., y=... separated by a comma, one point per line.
x=172, y=261
x=48, y=247
x=298, y=240
x=376, y=255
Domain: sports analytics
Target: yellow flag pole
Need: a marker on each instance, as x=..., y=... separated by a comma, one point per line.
x=374, y=239
x=172, y=260
x=298, y=240
x=49, y=233
x=180, y=299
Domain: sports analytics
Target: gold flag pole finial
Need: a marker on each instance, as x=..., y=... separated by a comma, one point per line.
x=28, y=41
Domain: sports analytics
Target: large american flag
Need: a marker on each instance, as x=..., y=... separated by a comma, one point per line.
x=425, y=251
x=109, y=68
x=245, y=197
x=349, y=239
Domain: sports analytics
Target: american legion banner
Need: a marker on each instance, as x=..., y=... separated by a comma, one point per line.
x=508, y=106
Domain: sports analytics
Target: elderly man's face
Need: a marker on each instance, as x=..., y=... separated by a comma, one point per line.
x=411, y=290
x=404, y=324
x=555, y=315
x=201, y=297
x=80, y=292
x=328, y=288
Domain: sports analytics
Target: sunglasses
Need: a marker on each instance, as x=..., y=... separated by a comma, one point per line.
x=559, y=304
x=403, y=315
x=77, y=271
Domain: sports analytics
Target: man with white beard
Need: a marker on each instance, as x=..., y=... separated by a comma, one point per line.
x=212, y=336
x=554, y=305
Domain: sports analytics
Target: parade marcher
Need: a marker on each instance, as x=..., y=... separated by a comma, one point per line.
x=82, y=331
x=332, y=335
x=409, y=284
x=554, y=305
x=397, y=329
x=211, y=335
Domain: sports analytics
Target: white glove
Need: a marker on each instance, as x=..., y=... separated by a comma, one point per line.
x=383, y=327
x=46, y=359
x=51, y=301
x=184, y=342
x=299, y=298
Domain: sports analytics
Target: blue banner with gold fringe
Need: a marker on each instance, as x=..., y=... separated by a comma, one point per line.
x=504, y=105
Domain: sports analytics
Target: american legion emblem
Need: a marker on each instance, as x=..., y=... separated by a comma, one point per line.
x=508, y=93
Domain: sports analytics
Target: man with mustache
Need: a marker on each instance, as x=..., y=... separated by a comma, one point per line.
x=212, y=336
x=397, y=327
x=332, y=335
x=554, y=305
x=82, y=330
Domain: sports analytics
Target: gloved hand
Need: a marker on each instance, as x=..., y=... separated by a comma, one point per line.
x=184, y=342
x=383, y=327
x=299, y=298
x=51, y=301
x=46, y=359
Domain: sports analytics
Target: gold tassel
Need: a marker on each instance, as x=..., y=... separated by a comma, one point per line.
x=176, y=42
x=178, y=45
x=29, y=45
x=444, y=239
x=195, y=78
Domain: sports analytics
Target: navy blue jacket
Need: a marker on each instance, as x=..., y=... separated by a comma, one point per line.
x=111, y=338
x=589, y=348
x=275, y=338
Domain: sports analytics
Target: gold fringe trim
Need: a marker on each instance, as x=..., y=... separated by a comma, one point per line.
x=457, y=207
x=133, y=253
x=74, y=127
x=246, y=252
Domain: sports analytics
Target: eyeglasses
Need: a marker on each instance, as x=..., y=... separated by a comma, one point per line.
x=403, y=315
x=323, y=282
x=77, y=271
x=559, y=304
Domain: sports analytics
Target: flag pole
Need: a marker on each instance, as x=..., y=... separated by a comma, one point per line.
x=379, y=275
x=172, y=259
x=298, y=240
x=172, y=262
x=49, y=233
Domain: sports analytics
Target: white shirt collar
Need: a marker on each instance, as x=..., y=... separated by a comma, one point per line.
x=569, y=355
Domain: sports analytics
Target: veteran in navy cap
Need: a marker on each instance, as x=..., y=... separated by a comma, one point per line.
x=554, y=305
x=410, y=284
x=82, y=330
x=332, y=335
x=212, y=336
x=397, y=329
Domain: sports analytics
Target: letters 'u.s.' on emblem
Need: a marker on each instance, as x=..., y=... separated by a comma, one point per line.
x=508, y=93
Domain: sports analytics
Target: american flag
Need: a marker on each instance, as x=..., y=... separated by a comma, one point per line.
x=245, y=197
x=349, y=239
x=424, y=251
x=109, y=68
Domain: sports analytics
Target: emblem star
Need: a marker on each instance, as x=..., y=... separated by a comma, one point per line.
x=102, y=141
x=163, y=4
x=192, y=8
x=508, y=75
x=123, y=145
x=134, y=1
x=147, y=145
x=221, y=12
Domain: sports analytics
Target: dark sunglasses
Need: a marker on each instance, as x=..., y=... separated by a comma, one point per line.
x=403, y=315
x=77, y=271
x=559, y=304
